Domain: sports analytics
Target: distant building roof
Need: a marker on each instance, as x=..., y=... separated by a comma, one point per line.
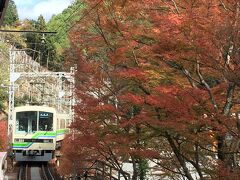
x=3, y=6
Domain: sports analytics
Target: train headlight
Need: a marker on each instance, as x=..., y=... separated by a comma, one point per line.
x=19, y=140
x=47, y=140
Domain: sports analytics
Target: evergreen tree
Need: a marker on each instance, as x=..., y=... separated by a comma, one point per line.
x=41, y=24
x=11, y=15
x=60, y=42
x=41, y=46
x=35, y=41
x=41, y=41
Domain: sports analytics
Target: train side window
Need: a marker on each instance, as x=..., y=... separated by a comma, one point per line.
x=67, y=122
x=58, y=124
x=26, y=121
x=62, y=124
x=21, y=122
x=32, y=121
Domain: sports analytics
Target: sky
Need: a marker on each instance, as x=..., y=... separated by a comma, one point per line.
x=31, y=9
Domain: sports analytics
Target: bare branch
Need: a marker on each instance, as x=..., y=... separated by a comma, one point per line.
x=207, y=87
x=176, y=7
x=223, y=5
x=229, y=98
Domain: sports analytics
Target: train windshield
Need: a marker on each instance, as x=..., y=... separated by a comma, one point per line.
x=31, y=121
x=45, y=121
x=26, y=121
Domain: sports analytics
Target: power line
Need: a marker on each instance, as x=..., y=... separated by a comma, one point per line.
x=28, y=31
x=69, y=17
x=60, y=32
x=85, y=14
x=55, y=32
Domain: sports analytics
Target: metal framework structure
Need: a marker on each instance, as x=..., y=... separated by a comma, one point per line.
x=33, y=84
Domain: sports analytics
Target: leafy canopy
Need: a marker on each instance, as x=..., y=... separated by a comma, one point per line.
x=11, y=15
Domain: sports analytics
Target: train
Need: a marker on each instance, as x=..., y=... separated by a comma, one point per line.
x=38, y=132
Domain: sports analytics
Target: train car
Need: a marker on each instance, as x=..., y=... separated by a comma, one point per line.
x=37, y=132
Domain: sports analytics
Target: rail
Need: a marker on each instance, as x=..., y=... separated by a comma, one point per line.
x=28, y=171
x=23, y=172
x=46, y=173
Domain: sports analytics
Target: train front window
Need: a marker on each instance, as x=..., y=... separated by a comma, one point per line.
x=26, y=121
x=45, y=121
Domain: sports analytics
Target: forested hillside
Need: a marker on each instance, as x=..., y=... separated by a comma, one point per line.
x=4, y=75
x=62, y=24
x=11, y=15
x=51, y=47
x=7, y=40
x=48, y=49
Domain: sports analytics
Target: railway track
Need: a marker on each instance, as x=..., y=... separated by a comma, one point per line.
x=23, y=172
x=30, y=171
x=46, y=173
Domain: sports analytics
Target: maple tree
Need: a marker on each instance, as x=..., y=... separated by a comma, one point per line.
x=158, y=80
x=3, y=135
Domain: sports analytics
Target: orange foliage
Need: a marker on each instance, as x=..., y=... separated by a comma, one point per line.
x=151, y=70
x=3, y=135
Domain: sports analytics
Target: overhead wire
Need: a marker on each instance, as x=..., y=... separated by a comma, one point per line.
x=86, y=14
x=61, y=24
x=68, y=18
x=83, y=16
x=59, y=31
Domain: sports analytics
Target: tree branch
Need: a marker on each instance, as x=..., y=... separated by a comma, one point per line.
x=207, y=87
x=229, y=98
x=176, y=7
x=179, y=157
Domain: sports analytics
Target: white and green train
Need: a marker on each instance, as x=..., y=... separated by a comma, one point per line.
x=37, y=132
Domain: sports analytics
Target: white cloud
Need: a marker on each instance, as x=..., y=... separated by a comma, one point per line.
x=18, y=2
x=31, y=9
x=48, y=8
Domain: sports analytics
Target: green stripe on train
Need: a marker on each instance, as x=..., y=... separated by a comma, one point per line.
x=38, y=134
x=21, y=144
x=61, y=131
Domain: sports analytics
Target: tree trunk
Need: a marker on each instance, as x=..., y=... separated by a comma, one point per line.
x=227, y=159
x=135, y=169
x=179, y=157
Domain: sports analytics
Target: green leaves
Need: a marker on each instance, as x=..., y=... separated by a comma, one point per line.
x=11, y=15
x=4, y=75
x=62, y=24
